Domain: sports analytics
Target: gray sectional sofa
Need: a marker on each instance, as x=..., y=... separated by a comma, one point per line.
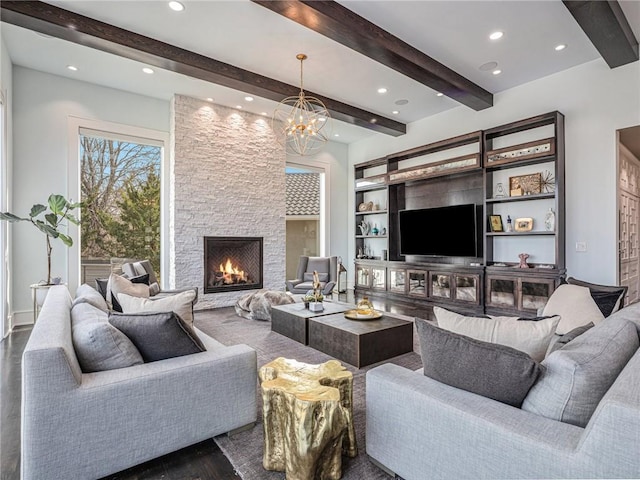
x=420, y=428
x=78, y=425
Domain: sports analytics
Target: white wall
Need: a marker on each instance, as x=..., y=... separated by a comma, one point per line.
x=596, y=101
x=42, y=104
x=6, y=87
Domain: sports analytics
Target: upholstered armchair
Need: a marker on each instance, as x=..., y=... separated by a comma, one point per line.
x=327, y=268
x=144, y=267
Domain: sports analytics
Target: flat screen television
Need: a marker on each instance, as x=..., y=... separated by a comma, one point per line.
x=450, y=231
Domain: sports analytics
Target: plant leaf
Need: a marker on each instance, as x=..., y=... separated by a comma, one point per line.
x=10, y=217
x=47, y=229
x=72, y=219
x=66, y=240
x=36, y=210
x=57, y=203
x=73, y=206
x=52, y=218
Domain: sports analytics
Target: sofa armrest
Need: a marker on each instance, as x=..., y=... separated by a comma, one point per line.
x=416, y=424
x=157, y=407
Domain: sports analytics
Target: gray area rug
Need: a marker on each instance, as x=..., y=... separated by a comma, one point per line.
x=244, y=450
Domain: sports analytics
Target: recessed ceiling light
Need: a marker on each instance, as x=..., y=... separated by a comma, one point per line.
x=239, y=107
x=322, y=119
x=72, y=68
x=147, y=70
x=264, y=114
x=209, y=99
x=402, y=101
x=496, y=35
x=562, y=46
x=248, y=99
x=439, y=94
x=497, y=72
x=485, y=67
x=382, y=90
x=336, y=134
x=177, y=6
x=395, y=112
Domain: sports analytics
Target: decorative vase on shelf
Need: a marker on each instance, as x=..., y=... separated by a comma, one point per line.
x=499, y=193
x=509, y=224
x=374, y=230
x=550, y=220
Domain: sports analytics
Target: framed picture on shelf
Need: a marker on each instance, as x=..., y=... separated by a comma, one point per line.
x=495, y=222
x=524, y=224
x=525, y=184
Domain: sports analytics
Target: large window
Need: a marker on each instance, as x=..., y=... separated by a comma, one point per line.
x=120, y=188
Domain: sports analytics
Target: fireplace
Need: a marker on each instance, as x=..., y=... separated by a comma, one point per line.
x=232, y=263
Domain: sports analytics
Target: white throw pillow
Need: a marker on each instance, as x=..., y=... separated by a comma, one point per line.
x=118, y=284
x=575, y=306
x=529, y=336
x=180, y=303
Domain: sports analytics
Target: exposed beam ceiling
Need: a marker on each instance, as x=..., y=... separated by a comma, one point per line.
x=351, y=30
x=607, y=27
x=57, y=22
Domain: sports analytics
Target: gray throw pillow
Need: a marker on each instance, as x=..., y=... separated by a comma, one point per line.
x=84, y=312
x=100, y=346
x=87, y=294
x=158, y=335
x=578, y=375
x=492, y=370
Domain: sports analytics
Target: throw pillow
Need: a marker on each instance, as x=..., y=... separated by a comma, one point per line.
x=608, y=298
x=180, y=303
x=158, y=335
x=131, y=286
x=578, y=375
x=87, y=294
x=562, y=340
x=85, y=312
x=492, y=370
x=574, y=305
x=531, y=337
x=100, y=346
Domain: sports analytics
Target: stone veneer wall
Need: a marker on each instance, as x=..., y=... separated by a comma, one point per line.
x=228, y=179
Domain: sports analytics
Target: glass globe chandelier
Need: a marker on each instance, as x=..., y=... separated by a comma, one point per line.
x=301, y=123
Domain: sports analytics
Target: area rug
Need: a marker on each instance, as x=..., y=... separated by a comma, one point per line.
x=244, y=449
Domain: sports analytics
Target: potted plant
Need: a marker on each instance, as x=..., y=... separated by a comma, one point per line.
x=49, y=219
x=315, y=297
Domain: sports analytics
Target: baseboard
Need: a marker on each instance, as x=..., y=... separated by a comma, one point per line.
x=24, y=317
x=382, y=467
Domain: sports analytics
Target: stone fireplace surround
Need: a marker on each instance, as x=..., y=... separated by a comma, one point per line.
x=227, y=179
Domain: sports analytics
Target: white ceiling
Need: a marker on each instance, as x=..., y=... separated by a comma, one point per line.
x=254, y=38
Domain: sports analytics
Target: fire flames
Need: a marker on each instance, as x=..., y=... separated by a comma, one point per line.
x=231, y=273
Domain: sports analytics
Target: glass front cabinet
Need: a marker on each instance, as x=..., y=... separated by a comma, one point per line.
x=371, y=277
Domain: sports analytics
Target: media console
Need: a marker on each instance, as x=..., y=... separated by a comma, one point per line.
x=514, y=171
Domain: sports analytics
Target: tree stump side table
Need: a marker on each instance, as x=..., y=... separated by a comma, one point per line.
x=307, y=418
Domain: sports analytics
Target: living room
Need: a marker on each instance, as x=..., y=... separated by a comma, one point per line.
x=595, y=99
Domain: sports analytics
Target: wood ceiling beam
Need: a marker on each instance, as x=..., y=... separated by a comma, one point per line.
x=57, y=22
x=332, y=20
x=607, y=27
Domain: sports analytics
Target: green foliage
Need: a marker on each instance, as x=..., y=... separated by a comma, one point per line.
x=50, y=224
x=137, y=229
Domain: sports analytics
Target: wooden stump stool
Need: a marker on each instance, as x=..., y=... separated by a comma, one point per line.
x=308, y=418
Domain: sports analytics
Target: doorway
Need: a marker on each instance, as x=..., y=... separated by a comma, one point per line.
x=629, y=211
x=305, y=217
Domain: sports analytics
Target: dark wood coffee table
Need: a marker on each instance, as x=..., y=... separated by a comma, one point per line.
x=362, y=342
x=292, y=320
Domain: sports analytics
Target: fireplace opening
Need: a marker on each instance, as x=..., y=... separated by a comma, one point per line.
x=232, y=263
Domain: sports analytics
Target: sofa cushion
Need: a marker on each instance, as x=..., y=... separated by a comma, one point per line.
x=488, y=369
x=322, y=277
x=575, y=306
x=562, y=340
x=135, y=286
x=158, y=335
x=609, y=298
x=87, y=294
x=578, y=375
x=85, y=312
x=180, y=303
x=531, y=337
x=100, y=346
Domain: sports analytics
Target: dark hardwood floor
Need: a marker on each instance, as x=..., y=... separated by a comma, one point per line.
x=203, y=461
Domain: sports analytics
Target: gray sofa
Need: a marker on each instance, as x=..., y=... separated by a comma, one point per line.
x=420, y=428
x=79, y=425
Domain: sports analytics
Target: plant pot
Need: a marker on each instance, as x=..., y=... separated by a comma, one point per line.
x=316, y=306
